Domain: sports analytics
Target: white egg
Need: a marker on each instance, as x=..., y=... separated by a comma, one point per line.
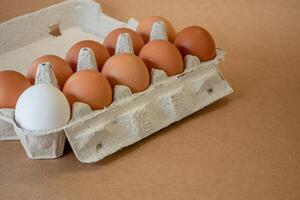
x=42, y=107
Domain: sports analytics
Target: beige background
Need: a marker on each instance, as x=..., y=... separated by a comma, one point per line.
x=245, y=146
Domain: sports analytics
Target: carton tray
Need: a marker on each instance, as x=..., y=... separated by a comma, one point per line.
x=131, y=117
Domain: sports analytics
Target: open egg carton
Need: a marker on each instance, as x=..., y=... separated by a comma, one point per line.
x=94, y=135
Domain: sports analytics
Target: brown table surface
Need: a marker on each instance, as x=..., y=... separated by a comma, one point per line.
x=245, y=146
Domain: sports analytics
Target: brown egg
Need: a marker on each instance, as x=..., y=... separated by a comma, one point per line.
x=61, y=68
x=90, y=87
x=111, y=40
x=145, y=26
x=163, y=55
x=101, y=53
x=195, y=40
x=12, y=85
x=127, y=69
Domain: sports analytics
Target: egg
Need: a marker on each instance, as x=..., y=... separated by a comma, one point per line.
x=61, y=68
x=12, y=85
x=111, y=40
x=90, y=87
x=197, y=41
x=162, y=55
x=145, y=26
x=42, y=107
x=101, y=53
x=127, y=69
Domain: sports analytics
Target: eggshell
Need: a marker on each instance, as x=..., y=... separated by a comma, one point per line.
x=127, y=69
x=101, y=53
x=12, y=84
x=42, y=107
x=163, y=55
x=111, y=40
x=145, y=26
x=90, y=87
x=61, y=68
x=196, y=41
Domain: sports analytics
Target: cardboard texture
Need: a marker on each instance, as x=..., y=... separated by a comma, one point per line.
x=245, y=146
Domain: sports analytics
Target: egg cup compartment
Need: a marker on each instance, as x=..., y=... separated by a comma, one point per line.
x=37, y=144
x=97, y=134
x=42, y=144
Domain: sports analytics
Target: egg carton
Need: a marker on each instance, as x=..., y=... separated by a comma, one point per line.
x=131, y=117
